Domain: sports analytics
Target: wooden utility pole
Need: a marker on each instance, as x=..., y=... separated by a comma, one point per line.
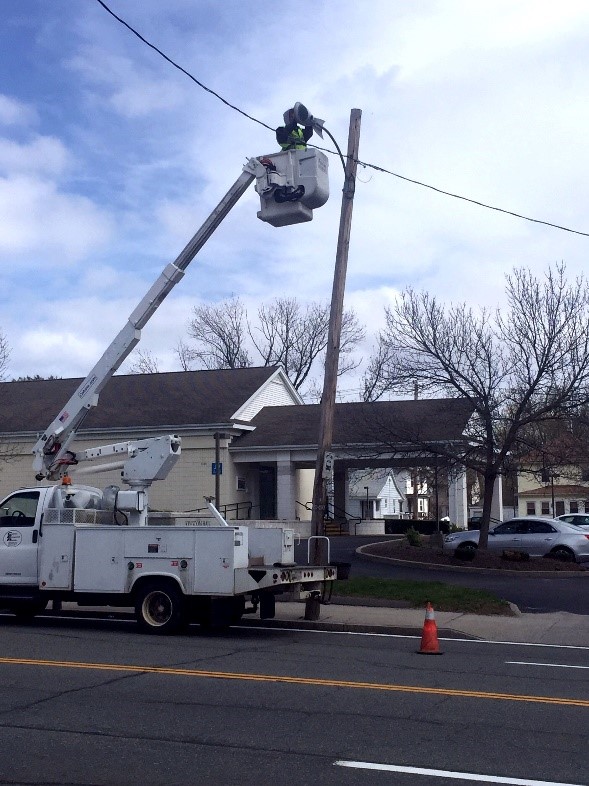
x=415, y=473
x=334, y=336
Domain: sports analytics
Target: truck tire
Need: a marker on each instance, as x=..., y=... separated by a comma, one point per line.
x=160, y=608
x=217, y=613
x=26, y=610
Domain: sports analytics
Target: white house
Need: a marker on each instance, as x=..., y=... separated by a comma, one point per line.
x=374, y=493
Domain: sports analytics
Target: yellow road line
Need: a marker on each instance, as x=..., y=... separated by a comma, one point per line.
x=228, y=675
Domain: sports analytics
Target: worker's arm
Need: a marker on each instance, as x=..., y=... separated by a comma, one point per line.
x=282, y=132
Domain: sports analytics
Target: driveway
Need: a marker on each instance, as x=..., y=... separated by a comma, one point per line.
x=532, y=594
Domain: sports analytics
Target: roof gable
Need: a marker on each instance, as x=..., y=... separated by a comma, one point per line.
x=276, y=391
x=370, y=482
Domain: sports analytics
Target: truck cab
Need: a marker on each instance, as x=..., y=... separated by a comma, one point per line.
x=21, y=528
x=21, y=516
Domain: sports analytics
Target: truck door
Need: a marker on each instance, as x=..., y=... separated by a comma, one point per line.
x=20, y=519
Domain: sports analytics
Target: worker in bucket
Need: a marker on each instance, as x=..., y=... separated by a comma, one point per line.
x=291, y=136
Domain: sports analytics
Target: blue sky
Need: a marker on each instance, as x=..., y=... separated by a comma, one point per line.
x=110, y=158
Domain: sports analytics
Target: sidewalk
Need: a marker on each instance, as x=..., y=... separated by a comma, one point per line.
x=554, y=628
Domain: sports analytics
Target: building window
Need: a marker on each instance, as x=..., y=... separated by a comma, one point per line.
x=241, y=484
x=545, y=508
x=559, y=505
x=531, y=508
x=377, y=505
x=573, y=506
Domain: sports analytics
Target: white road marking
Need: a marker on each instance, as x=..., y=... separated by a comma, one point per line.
x=464, y=776
x=550, y=665
x=417, y=636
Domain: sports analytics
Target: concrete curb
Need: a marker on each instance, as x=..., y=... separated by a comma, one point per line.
x=347, y=627
x=465, y=569
x=277, y=623
x=554, y=629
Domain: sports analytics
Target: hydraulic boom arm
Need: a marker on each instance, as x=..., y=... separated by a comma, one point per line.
x=52, y=452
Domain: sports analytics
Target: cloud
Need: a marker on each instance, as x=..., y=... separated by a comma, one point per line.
x=130, y=91
x=128, y=156
x=43, y=155
x=16, y=113
x=41, y=224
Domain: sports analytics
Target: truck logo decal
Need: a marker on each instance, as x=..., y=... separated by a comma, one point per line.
x=87, y=386
x=12, y=538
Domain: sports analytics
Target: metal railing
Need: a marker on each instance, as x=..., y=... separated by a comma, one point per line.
x=342, y=520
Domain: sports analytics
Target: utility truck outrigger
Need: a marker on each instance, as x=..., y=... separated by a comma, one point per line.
x=72, y=542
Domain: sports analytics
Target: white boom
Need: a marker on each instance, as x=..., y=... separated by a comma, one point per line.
x=52, y=450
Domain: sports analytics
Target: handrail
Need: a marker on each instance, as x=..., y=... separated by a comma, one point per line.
x=235, y=507
x=318, y=537
x=348, y=518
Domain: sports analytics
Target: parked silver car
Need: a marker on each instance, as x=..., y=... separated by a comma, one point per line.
x=578, y=519
x=535, y=536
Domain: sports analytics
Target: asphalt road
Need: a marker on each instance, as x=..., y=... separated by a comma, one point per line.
x=531, y=594
x=98, y=704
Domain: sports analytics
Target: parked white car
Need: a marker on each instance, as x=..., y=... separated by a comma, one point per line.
x=538, y=537
x=578, y=519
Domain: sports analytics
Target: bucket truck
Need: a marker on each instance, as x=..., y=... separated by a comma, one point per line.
x=65, y=541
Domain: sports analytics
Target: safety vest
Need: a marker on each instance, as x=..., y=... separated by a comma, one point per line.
x=295, y=140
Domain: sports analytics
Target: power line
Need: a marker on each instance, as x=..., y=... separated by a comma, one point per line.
x=361, y=163
x=179, y=67
x=473, y=201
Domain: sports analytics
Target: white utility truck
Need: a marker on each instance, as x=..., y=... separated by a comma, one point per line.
x=69, y=542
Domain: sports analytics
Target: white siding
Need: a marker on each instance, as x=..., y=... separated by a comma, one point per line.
x=274, y=394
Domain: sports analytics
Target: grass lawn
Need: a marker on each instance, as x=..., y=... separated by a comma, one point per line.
x=443, y=597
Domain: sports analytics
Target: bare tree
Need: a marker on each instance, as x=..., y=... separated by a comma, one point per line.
x=144, y=363
x=220, y=332
x=285, y=333
x=4, y=356
x=294, y=336
x=185, y=356
x=526, y=365
x=8, y=450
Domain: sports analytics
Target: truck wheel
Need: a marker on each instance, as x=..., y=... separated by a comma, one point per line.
x=160, y=608
x=238, y=609
x=27, y=609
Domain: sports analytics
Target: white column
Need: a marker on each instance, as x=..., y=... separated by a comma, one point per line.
x=285, y=487
x=497, y=501
x=457, y=505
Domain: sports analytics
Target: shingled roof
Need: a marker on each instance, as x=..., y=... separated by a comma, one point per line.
x=360, y=423
x=135, y=400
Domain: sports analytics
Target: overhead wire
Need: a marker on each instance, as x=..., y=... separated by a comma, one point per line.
x=364, y=164
x=179, y=67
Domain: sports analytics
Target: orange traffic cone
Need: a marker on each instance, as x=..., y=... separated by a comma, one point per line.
x=429, y=638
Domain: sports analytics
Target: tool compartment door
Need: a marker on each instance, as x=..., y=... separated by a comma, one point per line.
x=99, y=562
x=56, y=564
x=217, y=553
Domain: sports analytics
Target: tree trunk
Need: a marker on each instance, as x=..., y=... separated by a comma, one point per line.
x=490, y=479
